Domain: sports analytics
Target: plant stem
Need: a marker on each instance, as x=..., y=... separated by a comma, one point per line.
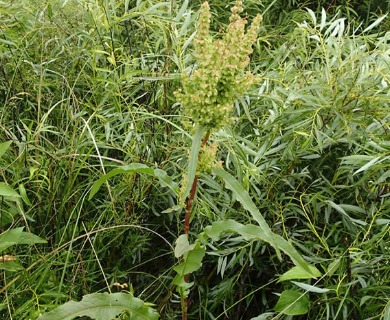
x=187, y=218
x=190, y=199
x=189, y=203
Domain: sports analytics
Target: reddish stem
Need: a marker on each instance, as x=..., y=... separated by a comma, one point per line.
x=189, y=204
x=187, y=218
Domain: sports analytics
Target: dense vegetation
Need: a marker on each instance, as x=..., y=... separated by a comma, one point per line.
x=99, y=145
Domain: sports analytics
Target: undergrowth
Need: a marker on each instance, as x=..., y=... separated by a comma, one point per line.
x=89, y=87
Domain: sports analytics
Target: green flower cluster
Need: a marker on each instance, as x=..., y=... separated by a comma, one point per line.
x=207, y=158
x=208, y=94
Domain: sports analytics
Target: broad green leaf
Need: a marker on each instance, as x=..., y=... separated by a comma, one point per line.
x=386, y=314
x=246, y=201
x=103, y=306
x=18, y=236
x=4, y=147
x=192, y=260
x=164, y=179
x=9, y=238
x=310, y=288
x=182, y=286
x=252, y=232
x=299, y=273
x=292, y=303
x=182, y=245
x=6, y=191
x=193, y=159
x=264, y=232
x=29, y=238
x=11, y=266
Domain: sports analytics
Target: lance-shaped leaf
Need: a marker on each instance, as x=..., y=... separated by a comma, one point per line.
x=263, y=231
x=292, y=303
x=7, y=191
x=162, y=176
x=193, y=160
x=252, y=232
x=4, y=147
x=103, y=306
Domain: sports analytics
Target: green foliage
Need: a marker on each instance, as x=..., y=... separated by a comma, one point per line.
x=292, y=303
x=87, y=97
x=103, y=306
x=162, y=176
x=13, y=237
x=299, y=273
x=249, y=232
x=192, y=256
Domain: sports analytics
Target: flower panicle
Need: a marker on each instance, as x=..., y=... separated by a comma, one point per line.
x=208, y=95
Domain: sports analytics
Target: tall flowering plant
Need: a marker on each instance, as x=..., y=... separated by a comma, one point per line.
x=207, y=97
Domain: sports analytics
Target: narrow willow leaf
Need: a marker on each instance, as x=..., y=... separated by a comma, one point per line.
x=382, y=221
x=23, y=194
x=4, y=147
x=182, y=10
x=8, y=43
x=299, y=273
x=292, y=303
x=312, y=15
x=103, y=306
x=375, y=23
x=176, y=208
x=343, y=212
x=323, y=19
x=333, y=266
x=367, y=165
x=337, y=207
x=7, y=191
x=193, y=160
x=310, y=288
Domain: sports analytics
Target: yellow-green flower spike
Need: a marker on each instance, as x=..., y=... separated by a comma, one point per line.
x=208, y=95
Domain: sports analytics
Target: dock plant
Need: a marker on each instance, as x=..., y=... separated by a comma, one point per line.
x=167, y=159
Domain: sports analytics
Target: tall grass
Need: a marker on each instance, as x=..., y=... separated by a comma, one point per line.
x=87, y=86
